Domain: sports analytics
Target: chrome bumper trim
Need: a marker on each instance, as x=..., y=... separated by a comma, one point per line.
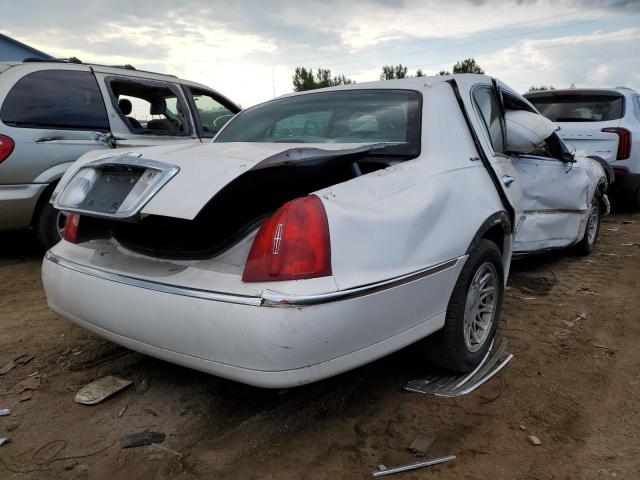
x=268, y=298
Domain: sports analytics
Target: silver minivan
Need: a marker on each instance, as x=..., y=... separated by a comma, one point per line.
x=52, y=112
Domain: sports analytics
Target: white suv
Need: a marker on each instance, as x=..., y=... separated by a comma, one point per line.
x=52, y=112
x=605, y=123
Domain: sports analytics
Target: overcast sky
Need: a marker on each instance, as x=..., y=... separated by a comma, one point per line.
x=247, y=49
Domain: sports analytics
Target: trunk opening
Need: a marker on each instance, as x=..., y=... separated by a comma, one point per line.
x=233, y=213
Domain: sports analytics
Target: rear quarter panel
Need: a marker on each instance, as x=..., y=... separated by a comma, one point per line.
x=415, y=214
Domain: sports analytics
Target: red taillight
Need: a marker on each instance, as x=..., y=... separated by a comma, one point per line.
x=6, y=147
x=71, y=223
x=291, y=245
x=624, y=142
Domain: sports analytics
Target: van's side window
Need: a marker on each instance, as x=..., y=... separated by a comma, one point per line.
x=66, y=99
x=149, y=107
x=490, y=114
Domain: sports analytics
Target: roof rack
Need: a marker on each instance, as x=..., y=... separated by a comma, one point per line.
x=76, y=60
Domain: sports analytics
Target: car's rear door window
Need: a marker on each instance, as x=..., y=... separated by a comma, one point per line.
x=64, y=99
x=150, y=107
x=577, y=107
x=491, y=116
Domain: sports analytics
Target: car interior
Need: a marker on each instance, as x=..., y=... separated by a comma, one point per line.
x=150, y=107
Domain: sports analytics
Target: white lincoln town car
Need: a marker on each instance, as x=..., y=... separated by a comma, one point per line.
x=322, y=230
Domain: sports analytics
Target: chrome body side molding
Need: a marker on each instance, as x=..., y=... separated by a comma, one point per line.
x=268, y=298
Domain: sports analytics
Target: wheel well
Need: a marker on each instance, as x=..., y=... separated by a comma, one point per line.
x=43, y=199
x=494, y=228
x=496, y=234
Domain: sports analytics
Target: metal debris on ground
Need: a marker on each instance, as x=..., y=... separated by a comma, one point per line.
x=533, y=440
x=97, y=391
x=13, y=362
x=5, y=412
x=383, y=470
x=24, y=359
x=422, y=443
x=7, y=367
x=142, y=439
x=448, y=385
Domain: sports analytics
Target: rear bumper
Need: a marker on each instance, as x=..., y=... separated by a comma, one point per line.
x=271, y=341
x=17, y=204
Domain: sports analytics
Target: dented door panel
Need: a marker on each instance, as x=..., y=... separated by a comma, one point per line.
x=555, y=201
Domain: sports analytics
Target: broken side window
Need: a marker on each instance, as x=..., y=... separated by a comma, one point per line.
x=149, y=107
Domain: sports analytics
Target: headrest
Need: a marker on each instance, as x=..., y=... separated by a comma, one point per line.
x=158, y=106
x=125, y=106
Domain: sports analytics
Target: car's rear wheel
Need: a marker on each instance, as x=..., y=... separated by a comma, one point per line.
x=590, y=238
x=473, y=312
x=49, y=225
x=626, y=193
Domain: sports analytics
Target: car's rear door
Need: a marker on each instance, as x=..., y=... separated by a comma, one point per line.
x=158, y=113
x=490, y=119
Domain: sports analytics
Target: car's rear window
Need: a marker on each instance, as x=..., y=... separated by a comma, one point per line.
x=348, y=116
x=580, y=108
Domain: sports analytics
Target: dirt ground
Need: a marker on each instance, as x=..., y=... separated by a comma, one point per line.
x=573, y=325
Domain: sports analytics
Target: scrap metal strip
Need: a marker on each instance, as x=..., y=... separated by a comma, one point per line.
x=473, y=386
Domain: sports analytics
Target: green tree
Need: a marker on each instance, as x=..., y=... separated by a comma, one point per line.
x=389, y=72
x=444, y=72
x=420, y=73
x=541, y=88
x=304, y=79
x=468, y=65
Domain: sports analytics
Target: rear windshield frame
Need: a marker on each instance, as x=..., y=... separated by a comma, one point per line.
x=548, y=98
x=416, y=141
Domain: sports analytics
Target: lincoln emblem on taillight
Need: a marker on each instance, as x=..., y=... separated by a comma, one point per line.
x=277, y=239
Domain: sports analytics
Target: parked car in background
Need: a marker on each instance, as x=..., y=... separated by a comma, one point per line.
x=604, y=122
x=322, y=230
x=52, y=112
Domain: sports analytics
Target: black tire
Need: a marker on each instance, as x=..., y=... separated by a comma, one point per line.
x=625, y=193
x=588, y=243
x=632, y=196
x=47, y=225
x=448, y=348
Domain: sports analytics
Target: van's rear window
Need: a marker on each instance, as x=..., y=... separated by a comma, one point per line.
x=67, y=99
x=347, y=116
x=580, y=108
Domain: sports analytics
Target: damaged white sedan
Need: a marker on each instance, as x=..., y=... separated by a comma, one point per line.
x=322, y=230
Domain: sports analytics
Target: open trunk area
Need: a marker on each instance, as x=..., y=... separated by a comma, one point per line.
x=233, y=213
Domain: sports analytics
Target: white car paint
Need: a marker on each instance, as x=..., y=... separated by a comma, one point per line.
x=399, y=239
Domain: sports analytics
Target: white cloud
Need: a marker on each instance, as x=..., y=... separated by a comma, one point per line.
x=246, y=47
x=597, y=59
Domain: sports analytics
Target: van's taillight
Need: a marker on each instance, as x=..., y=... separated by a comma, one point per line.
x=624, y=142
x=70, y=233
x=6, y=147
x=292, y=244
